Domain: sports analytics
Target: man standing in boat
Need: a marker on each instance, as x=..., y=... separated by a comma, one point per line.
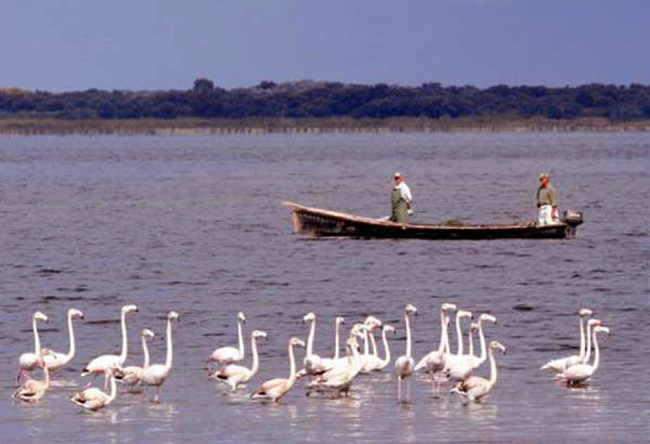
x=546, y=202
x=401, y=200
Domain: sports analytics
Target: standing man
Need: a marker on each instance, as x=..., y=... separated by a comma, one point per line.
x=401, y=200
x=546, y=202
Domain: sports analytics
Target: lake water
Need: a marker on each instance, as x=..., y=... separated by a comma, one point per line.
x=196, y=225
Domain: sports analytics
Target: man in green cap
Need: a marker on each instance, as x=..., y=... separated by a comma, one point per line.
x=401, y=200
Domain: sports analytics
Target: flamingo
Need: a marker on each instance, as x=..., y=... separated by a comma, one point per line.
x=342, y=365
x=374, y=362
x=561, y=364
x=228, y=355
x=580, y=373
x=275, y=389
x=235, y=375
x=485, y=317
x=312, y=362
x=338, y=382
x=155, y=375
x=329, y=363
x=103, y=363
x=475, y=388
x=404, y=365
x=30, y=361
x=132, y=374
x=458, y=366
x=93, y=398
x=54, y=360
x=32, y=390
x=370, y=361
x=434, y=362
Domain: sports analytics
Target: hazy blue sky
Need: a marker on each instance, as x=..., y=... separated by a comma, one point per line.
x=165, y=44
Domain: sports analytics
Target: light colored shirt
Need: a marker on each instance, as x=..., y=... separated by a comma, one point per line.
x=406, y=192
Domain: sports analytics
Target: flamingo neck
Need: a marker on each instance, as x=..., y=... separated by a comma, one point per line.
x=145, y=352
x=240, y=338
x=310, y=340
x=256, y=359
x=587, y=356
x=37, y=340
x=170, y=350
x=72, y=350
x=125, y=342
x=113, y=394
x=459, y=334
x=471, y=346
x=443, y=329
x=337, y=344
x=481, y=336
x=597, y=352
x=493, y=369
x=292, y=363
x=46, y=372
x=386, y=348
x=446, y=337
x=582, y=338
x=374, y=344
x=366, y=345
x=408, y=335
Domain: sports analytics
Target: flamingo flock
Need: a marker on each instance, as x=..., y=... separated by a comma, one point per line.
x=329, y=376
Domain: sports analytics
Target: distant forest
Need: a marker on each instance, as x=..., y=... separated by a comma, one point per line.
x=308, y=99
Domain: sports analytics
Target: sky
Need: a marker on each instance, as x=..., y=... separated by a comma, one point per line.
x=66, y=45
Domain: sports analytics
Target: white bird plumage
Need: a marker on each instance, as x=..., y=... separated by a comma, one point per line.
x=275, y=389
x=561, y=364
x=130, y=376
x=103, y=363
x=228, y=355
x=93, y=398
x=434, y=362
x=55, y=360
x=30, y=361
x=404, y=365
x=580, y=373
x=155, y=375
x=235, y=375
x=475, y=388
x=33, y=389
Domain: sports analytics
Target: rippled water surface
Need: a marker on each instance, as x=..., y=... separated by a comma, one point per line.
x=195, y=225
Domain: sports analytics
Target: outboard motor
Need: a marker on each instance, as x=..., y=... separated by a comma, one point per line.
x=572, y=218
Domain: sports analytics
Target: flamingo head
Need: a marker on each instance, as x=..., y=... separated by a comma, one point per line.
x=585, y=312
x=464, y=314
x=474, y=326
x=74, y=313
x=172, y=316
x=485, y=317
x=295, y=342
x=259, y=334
x=389, y=328
x=372, y=322
x=601, y=328
x=448, y=306
x=241, y=317
x=497, y=345
x=594, y=322
x=309, y=317
x=40, y=316
x=340, y=320
x=410, y=309
x=129, y=308
x=146, y=333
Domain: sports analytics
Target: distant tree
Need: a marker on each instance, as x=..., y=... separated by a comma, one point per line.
x=203, y=86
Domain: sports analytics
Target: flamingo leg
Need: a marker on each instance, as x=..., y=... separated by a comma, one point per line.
x=399, y=388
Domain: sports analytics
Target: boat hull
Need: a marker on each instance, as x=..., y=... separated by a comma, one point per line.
x=317, y=222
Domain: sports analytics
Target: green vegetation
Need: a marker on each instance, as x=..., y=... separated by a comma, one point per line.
x=326, y=106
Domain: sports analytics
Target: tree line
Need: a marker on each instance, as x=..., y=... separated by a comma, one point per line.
x=309, y=99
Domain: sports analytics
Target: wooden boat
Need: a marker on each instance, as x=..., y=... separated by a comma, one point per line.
x=317, y=222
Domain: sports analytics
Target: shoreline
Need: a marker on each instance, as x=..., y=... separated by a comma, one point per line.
x=260, y=126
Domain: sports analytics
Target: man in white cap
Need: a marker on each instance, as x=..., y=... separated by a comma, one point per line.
x=401, y=200
x=546, y=202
